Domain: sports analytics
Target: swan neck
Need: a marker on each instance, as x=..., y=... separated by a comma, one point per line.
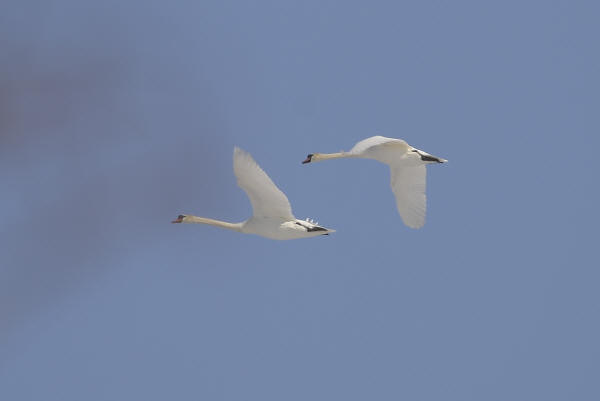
x=213, y=222
x=327, y=156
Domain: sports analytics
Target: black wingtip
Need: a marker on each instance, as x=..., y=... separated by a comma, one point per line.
x=427, y=158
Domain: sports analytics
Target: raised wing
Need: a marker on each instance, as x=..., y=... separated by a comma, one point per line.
x=408, y=184
x=267, y=200
x=376, y=141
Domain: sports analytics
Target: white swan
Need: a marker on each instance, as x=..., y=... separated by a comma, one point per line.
x=272, y=216
x=407, y=166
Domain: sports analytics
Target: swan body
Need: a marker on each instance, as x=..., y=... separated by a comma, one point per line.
x=272, y=217
x=407, y=170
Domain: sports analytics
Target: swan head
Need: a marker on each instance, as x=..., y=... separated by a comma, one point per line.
x=308, y=158
x=179, y=219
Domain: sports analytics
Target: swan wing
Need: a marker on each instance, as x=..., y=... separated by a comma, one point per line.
x=408, y=184
x=378, y=141
x=267, y=200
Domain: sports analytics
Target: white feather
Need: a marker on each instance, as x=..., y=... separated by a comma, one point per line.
x=272, y=214
x=408, y=173
x=267, y=200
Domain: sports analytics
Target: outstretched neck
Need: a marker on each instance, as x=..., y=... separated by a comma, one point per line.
x=212, y=222
x=326, y=156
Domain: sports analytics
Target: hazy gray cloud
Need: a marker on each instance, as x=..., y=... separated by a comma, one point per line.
x=93, y=155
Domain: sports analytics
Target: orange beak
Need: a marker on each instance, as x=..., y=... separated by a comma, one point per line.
x=178, y=220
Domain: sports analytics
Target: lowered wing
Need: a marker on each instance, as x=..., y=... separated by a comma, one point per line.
x=408, y=184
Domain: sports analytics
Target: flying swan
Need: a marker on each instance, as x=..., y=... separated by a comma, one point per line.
x=272, y=216
x=407, y=166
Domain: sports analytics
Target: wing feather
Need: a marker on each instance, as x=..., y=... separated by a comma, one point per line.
x=408, y=184
x=375, y=141
x=267, y=200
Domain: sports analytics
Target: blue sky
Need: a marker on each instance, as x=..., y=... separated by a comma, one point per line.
x=117, y=116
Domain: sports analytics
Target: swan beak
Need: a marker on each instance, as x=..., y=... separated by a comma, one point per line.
x=308, y=159
x=178, y=220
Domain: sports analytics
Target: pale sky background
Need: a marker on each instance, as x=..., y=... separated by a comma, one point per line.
x=117, y=116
